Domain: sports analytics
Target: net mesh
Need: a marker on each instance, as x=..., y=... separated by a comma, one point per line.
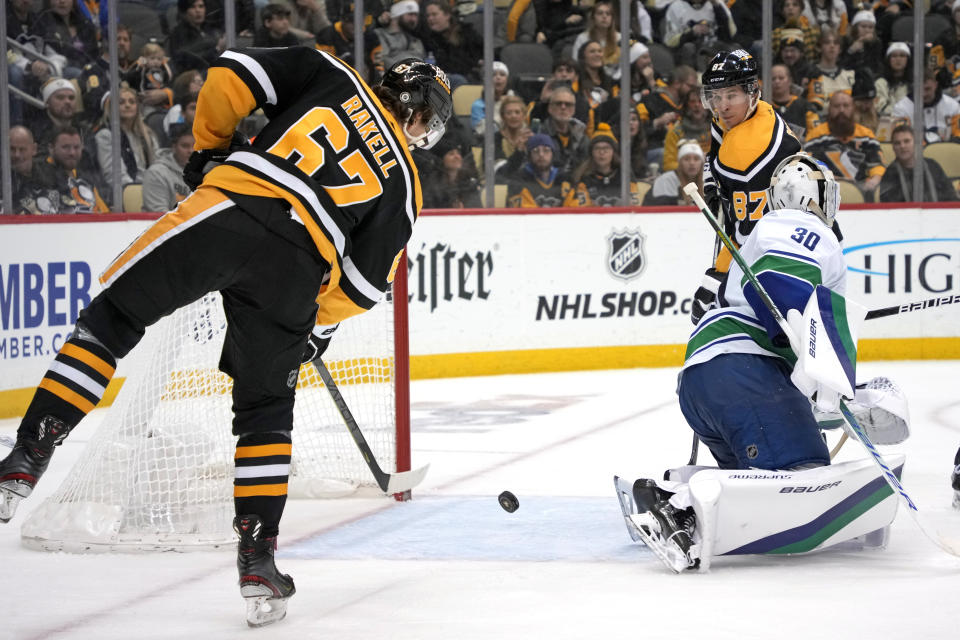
x=158, y=473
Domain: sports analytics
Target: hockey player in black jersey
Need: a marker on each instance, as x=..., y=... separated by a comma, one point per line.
x=748, y=140
x=298, y=231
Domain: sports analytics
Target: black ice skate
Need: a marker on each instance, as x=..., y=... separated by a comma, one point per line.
x=265, y=589
x=665, y=529
x=955, y=483
x=21, y=470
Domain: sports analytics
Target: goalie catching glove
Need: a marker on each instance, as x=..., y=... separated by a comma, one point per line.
x=880, y=407
x=198, y=162
x=318, y=342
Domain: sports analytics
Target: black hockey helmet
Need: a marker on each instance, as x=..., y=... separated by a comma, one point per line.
x=730, y=69
x=418, y=84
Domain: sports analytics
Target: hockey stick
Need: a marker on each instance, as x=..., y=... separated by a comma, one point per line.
x=920, y=305
x=389, y=483
x=694, y=450
x=851, y=425
x=837, y=447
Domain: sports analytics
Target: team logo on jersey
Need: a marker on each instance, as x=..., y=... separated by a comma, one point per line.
x=626, y=260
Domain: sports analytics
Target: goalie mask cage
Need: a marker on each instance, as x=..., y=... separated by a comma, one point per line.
x=158, y=473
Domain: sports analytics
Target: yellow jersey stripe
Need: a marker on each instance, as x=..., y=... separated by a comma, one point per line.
x=260, y=490
x=220, y=109
x=203, y=203
x=67, y=395
x=89, y=359
x=264, y=450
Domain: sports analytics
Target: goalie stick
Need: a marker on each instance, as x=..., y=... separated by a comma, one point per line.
x=390, y=483
x=851, y=425
x=907, y=307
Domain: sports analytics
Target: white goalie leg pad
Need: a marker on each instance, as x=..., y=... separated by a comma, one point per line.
x=788, y=512
x=684, y=473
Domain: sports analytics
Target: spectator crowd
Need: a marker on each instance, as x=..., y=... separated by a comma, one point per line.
x=842, y=79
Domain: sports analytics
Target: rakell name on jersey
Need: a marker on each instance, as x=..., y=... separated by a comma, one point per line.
x=371, y=135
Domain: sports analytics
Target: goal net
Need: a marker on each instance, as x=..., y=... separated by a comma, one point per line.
x=158, y=473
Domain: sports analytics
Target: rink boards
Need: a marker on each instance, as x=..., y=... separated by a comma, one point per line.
x=507, y=291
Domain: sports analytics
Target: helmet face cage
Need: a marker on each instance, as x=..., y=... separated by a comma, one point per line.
x=802, y=182
x=421, y=87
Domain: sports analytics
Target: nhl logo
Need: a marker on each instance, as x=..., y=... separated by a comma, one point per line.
x=626, y=259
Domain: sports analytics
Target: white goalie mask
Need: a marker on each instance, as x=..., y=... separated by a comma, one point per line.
x=802, y=182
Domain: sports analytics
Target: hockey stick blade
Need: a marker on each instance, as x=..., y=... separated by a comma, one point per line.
x=389, y=483
x=850, y=423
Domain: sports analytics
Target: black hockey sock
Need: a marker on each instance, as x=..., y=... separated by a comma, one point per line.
x=260, y=482
x=71, y=387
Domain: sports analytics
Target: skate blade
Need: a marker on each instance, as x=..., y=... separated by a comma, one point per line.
x=625, y=498
x=11, y=493
x=264, y=610
x=667, y=552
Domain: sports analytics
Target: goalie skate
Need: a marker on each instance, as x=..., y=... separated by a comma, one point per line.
x=665, y=529
x=625, y=497
x=955, y=483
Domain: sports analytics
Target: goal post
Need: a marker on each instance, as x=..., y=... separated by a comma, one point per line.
x=158, y=472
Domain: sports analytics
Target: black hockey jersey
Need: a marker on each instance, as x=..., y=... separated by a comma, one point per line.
x=330, y=149
x=741, y=162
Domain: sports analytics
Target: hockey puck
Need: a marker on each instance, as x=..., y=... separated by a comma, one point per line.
x=508, y=501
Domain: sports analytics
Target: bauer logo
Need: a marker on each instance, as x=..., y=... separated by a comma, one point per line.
x=811, y=489
x=625, y=257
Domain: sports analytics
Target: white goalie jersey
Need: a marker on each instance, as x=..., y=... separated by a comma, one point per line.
x=791, y=252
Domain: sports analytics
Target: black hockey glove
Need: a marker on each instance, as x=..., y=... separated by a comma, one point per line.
x=317, y=343
x=197, y=164
x=706, y=296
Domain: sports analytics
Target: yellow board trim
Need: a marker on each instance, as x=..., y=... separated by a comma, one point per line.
x=260, y=490
x=13, y=402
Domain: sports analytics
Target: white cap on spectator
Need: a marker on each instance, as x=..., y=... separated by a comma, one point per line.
x=863, y=16
x=404, y=7
x=899, y=46
x=57, y=84
x=688, y=148
x=500, y=66
x=637, y=49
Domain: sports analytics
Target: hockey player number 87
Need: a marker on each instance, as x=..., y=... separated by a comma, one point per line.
x=742, y=202
x=298, y=140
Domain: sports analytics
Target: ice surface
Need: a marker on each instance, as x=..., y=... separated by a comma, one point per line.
x=453, y=565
